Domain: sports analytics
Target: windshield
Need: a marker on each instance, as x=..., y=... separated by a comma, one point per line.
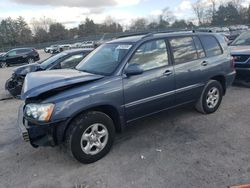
x=242, y=40
x=105, y=59
x=52, y=59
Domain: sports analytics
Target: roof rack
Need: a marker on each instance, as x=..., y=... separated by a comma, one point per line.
x=132, y=34
x=151, y=33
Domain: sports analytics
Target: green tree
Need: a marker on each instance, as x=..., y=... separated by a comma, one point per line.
x=57, y=32
x=227, y=15
x=179, y=24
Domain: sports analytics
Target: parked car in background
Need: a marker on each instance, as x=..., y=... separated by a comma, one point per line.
x=236, y=30
x=19, y=56
x=76, y=45
x=63, y=60
x=119, y=82
x=63, y=47
x=2, y=53
x=51, y=49
x=240, y=50
x=88, y=44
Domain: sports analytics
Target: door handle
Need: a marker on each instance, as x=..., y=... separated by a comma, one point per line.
x=167, y=73
x=204, y=63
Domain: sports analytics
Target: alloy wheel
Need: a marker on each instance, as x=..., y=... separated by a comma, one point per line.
x=213, y=97
x=94, y=139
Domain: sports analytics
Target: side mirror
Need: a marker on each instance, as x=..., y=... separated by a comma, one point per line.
x=133, y=69
x=6, y=55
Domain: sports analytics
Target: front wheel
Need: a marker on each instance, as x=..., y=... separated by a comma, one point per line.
x=90, y=136
x=3, y=64
x=211, y=97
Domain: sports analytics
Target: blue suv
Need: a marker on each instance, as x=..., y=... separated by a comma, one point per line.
x=119, y=82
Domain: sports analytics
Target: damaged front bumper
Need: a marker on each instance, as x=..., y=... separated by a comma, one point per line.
x=44, y=134
x=14, y=85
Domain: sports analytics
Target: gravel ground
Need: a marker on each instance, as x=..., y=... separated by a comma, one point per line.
x=178, y=148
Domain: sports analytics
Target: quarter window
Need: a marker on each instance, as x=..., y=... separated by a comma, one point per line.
x=211, y=46
x=151, y=55
x=184, y=49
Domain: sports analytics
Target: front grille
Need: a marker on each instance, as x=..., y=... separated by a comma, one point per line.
x=241, y=58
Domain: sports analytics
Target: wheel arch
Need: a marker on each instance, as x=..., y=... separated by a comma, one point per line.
x=110, y=110
x=222, y=80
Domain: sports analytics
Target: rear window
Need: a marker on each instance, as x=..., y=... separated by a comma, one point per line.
x=211, y=46
x=184, y=49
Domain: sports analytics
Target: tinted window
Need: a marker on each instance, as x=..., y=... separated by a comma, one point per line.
x=23, y=51
x=183, y=49
x=12, y=53
x=211, y=46
x=199, y=47
x=151, y=55
x=72, y=61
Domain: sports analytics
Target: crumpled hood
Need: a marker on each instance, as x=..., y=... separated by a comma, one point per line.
x=25, y=69
x=239, y=49
x=46, y=81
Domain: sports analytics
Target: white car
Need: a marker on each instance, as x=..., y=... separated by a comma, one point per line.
x=88, y=44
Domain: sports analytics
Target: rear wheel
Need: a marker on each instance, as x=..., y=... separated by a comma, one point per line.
x=30, y=60
x=3, y=64
x=90, y=136
x=211, y=97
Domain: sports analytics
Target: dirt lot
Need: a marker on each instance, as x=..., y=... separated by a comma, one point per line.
x=178, y=148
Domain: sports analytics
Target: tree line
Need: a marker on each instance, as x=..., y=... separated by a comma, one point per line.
x=16, y=32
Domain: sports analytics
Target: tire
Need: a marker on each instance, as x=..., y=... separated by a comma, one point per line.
x=3, y=65
x=80, y=141
x=211, y=98
x=30, y=60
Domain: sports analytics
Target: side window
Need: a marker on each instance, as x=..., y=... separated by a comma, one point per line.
x=12, y=53
x=71, y=61
x=184, y=49
x=23, y=51
x=211, y=45
x=151, y=55
x=199, y=47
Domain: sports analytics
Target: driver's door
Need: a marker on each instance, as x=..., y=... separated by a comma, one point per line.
x=12, y=58
x=153, y=90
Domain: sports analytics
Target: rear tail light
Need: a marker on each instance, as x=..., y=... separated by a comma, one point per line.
x=232, y=63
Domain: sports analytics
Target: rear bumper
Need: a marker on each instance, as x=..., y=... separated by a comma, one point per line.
x=49, y=134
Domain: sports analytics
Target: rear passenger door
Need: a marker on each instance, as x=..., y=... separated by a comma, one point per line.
x=214, y=56
x=153, y=90
x=188, y=57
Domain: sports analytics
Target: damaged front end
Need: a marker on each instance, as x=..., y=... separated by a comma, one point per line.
x=37, y=120
x=14, y=85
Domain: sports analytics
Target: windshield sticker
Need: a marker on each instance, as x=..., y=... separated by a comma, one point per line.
x=123, y=47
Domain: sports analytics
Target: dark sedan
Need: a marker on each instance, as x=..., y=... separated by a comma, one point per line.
x=240, y=50
x=19, y=56
x=67, y=59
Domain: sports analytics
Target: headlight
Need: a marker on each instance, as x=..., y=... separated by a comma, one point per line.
x=40, y=112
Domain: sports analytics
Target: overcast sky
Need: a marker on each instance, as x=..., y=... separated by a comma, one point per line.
x=72, y=12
